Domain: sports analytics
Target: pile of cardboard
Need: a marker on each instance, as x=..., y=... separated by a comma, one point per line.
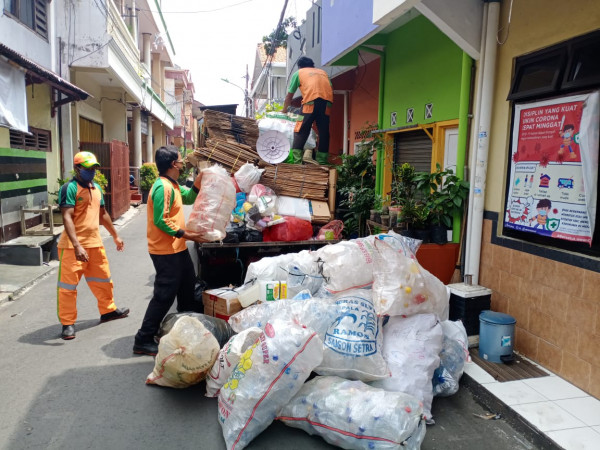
x=231, y=142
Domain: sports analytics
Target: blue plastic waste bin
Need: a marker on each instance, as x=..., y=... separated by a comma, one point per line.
x=496, y=336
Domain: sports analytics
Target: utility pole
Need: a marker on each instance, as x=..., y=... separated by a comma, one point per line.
x=246, y=98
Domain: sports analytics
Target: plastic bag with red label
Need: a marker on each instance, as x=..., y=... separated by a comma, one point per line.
x=293, y=229
x=212, y=208
x=331, y=231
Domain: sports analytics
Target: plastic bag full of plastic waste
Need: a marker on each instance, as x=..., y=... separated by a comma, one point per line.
x=220, y=329
x=411, y=347
x=213, y=205
x=401, y=286
x=228, y=359
x=347, y=324
x=267, y=376
x=354, y=415
x=247, y=176
x=185, y=354
x=454, y=354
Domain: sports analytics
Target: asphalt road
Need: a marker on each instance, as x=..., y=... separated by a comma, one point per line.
x=90, y=393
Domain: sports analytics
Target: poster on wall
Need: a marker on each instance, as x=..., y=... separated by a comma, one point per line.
x=554, y=168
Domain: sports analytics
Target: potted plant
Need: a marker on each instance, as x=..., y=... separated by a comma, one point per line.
x=148, y=175
x=356, y=190
x=446, y=198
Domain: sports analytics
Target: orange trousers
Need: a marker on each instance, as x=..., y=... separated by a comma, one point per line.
x=97, y=275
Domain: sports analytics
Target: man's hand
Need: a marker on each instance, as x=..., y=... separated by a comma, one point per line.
x=119, y=243
x=81, y=254
x=194, y=236
x=198, y=180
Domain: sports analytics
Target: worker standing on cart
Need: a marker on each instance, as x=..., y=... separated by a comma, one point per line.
x=167, y=237
x=317, y=99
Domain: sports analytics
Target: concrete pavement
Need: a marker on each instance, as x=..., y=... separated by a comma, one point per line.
x=90, y=392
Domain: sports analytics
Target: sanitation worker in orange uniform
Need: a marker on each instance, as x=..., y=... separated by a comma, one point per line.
x=317, y=99
x=175, y=275
x=80, y=247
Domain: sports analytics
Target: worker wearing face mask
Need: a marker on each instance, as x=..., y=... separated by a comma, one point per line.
x=80, y=247
x=175, y=275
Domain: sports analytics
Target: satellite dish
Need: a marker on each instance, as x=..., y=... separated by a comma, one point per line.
x=273, y=146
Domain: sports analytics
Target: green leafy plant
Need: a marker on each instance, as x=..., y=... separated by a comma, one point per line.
x=447, y=196
x=99, y=179
x=269, y=108
x=148, y=175
x=183, y=176
x=356, y=189
x=279, y=36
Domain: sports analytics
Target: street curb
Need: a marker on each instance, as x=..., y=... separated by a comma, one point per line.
x=7, y=297
x=489, y=401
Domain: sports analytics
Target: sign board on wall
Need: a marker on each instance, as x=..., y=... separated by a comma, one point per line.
x=554, y=168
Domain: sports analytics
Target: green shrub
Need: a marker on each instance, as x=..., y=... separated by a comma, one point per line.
x=148, y=175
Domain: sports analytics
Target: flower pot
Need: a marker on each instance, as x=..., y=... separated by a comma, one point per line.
x=439, y=234
x=145, y=196
x=385, y=220
x=409, y=232
x=424, y=235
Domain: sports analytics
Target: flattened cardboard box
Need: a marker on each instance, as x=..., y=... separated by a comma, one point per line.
x=221, y=303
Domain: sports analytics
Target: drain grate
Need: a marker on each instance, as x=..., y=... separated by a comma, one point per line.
x=520, y=369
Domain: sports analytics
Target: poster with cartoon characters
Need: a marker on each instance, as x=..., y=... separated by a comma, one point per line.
x=554, y=168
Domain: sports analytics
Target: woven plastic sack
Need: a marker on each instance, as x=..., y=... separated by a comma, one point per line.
x=411, y=347
x=347, y=265
x=354, y=415
x=185, y=355
x=401, y=286
x=214, y=203
x=454, y=354
x=220, y=329
x=293, y=229
x=228, y=359
x=269, y=268
x=247, y=176
x=268, y=375
x=303, y=273
x=347, y=324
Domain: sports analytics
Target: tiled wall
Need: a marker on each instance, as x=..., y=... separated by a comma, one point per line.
x=557, y=307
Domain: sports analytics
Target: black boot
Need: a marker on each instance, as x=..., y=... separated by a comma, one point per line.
x=68, y=332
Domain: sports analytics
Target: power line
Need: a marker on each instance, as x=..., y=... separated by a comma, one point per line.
x=200, y=11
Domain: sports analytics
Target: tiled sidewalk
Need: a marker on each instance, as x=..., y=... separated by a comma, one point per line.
x=561, y=411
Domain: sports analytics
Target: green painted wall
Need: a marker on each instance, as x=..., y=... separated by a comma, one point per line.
x=22, y=172
x=422, y=66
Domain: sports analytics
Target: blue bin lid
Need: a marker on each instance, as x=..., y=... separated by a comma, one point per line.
x=497, y=318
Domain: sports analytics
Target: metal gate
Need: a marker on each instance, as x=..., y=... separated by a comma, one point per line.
x=114, y=164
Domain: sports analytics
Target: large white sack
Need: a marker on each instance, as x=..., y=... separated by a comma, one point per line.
x=285, y=124
x=354, y=415
x=401, y=286
x=268, y=375
x=228, y=358
x=347, y=325
x=215, y=201
x=303, y=273
x=269, y=268
x=185, y=354
x=411, y=347
x=347, y=264
x=454, y=354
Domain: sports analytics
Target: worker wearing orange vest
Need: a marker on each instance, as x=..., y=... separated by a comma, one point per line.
x=80, y=247
x=175, y=276
x=317, y=99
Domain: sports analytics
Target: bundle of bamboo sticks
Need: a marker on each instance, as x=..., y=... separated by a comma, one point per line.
x=230, y=128
x=303, y=181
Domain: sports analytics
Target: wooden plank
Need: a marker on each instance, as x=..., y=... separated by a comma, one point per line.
x=520, y=369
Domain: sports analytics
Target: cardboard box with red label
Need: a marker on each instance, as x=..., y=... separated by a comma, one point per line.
x=221, y=303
